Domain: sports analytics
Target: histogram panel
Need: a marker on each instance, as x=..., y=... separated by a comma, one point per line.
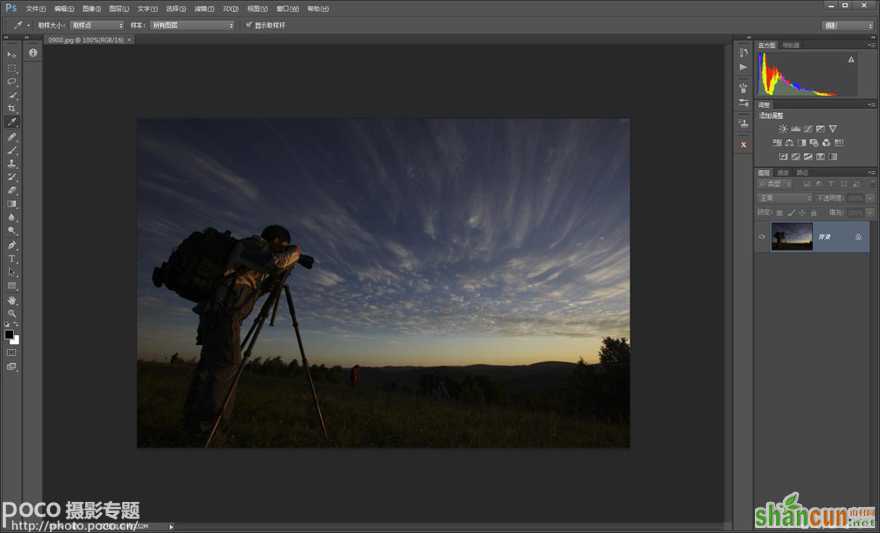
x=812, y=74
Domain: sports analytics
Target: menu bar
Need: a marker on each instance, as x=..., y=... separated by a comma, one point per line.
x=77, y=19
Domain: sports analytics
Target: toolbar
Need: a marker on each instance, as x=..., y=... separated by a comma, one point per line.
x=14, y=55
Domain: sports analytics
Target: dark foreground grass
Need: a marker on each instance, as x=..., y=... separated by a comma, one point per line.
x=273, y=412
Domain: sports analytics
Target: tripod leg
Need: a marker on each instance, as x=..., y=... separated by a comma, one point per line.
x=250, y=332
x=255, y=330
x=274, y=312
x=305, y=361
x=254, y=323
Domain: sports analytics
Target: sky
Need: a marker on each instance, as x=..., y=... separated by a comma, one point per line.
x=437, y=241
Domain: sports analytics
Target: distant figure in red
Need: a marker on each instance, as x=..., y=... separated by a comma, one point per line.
x=355, y=375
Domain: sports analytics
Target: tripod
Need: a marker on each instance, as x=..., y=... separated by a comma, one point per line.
x=250, y=340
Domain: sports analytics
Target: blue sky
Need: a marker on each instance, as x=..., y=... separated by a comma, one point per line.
x=438, y=241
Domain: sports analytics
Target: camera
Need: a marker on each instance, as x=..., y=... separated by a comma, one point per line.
x=306, y=261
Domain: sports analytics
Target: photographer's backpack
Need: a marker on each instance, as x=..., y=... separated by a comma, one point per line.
x=197, y=266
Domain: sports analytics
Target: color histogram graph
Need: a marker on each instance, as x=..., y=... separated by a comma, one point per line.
x=806, y=74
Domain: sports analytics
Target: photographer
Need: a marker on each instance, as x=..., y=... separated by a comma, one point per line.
x=253, y=263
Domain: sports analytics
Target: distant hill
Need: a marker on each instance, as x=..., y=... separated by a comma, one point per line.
x=522, y=377
x=533, y=377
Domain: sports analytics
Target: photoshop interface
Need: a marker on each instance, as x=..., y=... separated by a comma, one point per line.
x=447, y=266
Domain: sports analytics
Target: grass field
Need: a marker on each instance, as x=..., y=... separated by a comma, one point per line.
x=277, y=412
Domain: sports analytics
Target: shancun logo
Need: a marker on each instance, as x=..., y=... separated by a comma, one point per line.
x=789, y=513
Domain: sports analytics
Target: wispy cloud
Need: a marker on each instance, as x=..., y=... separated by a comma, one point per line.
x=325, y=278
x=192, y=164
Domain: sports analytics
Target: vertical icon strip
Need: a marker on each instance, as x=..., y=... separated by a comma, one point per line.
x=743, y=97
x=12, y=143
